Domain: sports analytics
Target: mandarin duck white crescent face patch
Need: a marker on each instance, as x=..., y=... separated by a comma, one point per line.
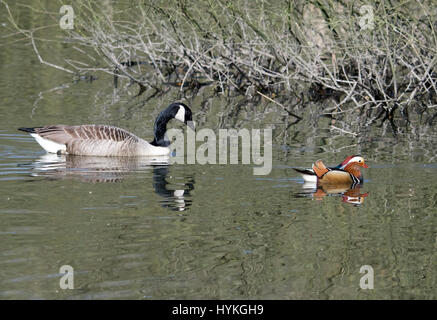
x=357, y=159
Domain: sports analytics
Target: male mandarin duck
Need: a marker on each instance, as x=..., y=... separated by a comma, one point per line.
x=346, y=173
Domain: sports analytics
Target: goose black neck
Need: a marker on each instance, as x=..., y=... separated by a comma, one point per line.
x=160, y=128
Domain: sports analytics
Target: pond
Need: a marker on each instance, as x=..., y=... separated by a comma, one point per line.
x=140, y=229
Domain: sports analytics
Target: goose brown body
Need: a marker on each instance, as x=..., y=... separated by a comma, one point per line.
x=107, y=141
x=98, y=140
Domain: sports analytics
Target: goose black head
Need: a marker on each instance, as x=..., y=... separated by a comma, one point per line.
x=176, y=110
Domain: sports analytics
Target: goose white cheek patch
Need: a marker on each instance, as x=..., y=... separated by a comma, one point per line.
x=47, y=145
x=181, y=114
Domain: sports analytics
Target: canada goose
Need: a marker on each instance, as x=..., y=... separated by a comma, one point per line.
x=104, y=140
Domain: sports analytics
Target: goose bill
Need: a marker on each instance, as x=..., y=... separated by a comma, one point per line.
x=191, y=125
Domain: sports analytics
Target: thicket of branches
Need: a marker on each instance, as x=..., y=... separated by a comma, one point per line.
x=286, y=49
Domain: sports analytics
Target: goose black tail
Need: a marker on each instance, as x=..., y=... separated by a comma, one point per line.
x=29, y=130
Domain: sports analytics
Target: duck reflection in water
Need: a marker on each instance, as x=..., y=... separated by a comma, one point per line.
x=116, y=169
x=349, y=194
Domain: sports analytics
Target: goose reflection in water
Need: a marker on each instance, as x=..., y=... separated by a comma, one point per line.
x=115, y=169
x=348, y=193
x=174, y=199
